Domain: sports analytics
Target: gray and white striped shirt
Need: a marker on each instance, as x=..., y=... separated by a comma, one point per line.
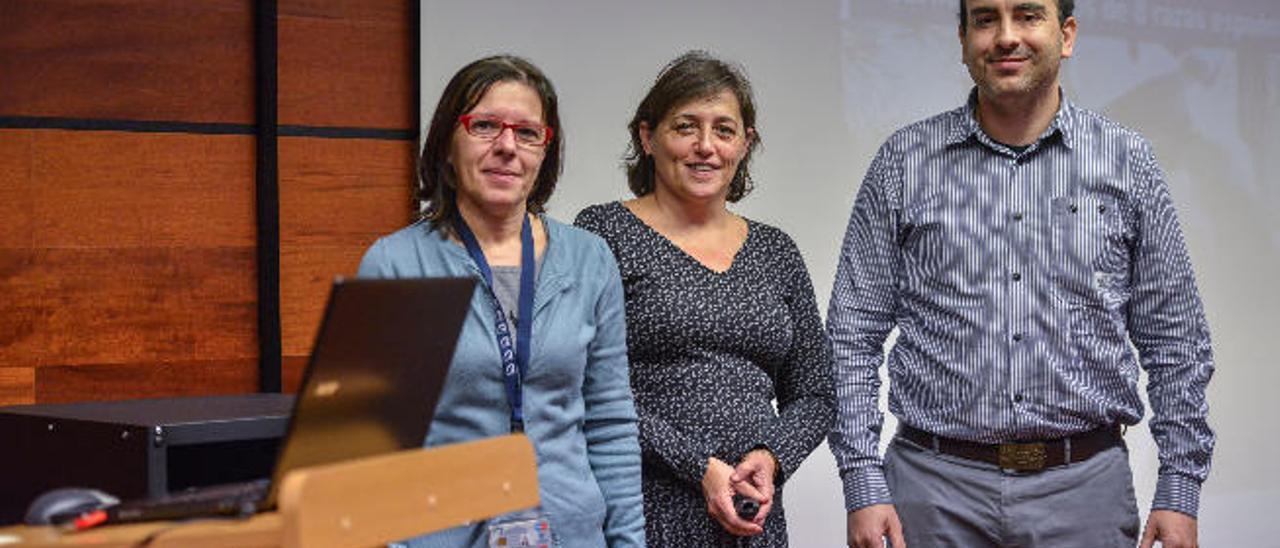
x=1017, y=281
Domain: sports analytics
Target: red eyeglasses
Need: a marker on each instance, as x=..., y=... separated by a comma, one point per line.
x=490, y=127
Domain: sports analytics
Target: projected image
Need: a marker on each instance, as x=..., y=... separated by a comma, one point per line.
x=884, y=76
x=1200, y=82
x=1187, y=100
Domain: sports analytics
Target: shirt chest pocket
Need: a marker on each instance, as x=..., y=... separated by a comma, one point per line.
x=1091, y=250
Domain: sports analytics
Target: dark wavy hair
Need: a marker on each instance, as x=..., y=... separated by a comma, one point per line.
x=692, y=76
x=1065, y=9
x=437, y=182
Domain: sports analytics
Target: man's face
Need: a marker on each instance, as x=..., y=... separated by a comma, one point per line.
x=1013, y=48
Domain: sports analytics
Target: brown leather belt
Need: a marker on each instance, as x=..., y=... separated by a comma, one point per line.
x=1027, y=456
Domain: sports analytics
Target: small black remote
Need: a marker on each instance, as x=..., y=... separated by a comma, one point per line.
x=746, y=507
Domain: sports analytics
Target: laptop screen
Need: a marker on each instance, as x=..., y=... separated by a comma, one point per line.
x=376, y=371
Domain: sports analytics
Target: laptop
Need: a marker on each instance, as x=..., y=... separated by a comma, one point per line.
x=371, y=386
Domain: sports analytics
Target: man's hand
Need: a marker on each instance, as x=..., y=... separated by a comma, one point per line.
x=1172, y=529
x=754, y=477
x=718, y=489
x=869, y=526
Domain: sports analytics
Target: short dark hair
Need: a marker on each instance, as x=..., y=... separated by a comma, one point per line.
x=437, y=182
x=1065, y=9
x=694, y=75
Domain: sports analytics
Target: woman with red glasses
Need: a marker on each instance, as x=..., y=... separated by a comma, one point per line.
x=543, y=350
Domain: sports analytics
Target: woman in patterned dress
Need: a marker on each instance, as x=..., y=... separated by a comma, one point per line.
x=721, y=318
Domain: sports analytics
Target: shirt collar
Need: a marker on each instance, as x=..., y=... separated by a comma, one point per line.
x=964, y=125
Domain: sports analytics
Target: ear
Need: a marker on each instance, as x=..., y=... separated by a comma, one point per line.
x=645, y=138
x=1068, y=37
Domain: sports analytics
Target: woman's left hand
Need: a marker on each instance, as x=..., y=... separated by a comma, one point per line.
x=754, y=475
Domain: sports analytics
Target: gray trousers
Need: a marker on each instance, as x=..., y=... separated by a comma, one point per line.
x=945, y=501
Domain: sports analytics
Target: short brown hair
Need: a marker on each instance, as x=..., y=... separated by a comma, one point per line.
x=694, y=75
x=437, y=182
x=1065, y=9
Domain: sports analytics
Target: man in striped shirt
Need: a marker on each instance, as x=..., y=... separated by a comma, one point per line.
x=1019, y=244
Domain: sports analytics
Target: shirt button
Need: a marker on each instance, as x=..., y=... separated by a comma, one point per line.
x=1017, y=398
x=1017, y=216
x=1017, y=337
x=1017, y=277
x=1073, y=208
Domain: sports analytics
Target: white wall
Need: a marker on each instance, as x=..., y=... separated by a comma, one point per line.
x=833, y=78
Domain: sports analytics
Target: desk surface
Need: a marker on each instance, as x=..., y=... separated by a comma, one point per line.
x=259, y=531
x=363, y=502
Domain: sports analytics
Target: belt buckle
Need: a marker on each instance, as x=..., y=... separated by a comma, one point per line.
x=1023, y=457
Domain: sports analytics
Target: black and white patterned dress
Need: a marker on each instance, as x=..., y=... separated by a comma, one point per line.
x=709, y=352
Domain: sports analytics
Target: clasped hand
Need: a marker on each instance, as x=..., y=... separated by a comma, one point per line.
x=753, y=477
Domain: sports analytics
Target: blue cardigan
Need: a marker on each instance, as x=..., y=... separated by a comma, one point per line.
x=577, y=395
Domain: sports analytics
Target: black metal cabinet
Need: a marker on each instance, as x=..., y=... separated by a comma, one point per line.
x=137, y=448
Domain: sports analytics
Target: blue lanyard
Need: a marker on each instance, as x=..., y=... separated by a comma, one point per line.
x=515, y=362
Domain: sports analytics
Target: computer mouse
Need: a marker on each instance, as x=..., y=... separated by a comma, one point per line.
x=65, y=503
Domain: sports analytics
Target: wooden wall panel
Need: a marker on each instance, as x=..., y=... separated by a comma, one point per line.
x=128, y=59
x=78, y=306
x=306, y=273
x=60, y=384
x=15, y=188
x=291, y=369
x=116, y=189
x=336, y=197
x=127, y=260
x=73, y=189
x=346, y=63
x=141, y=251
x=17, y=385
x=336, y=190
x=17, y=318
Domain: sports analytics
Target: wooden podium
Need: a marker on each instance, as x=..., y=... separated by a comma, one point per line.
x=366, y=502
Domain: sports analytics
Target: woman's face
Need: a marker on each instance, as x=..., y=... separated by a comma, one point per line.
x=496, y=174
x=696, y=148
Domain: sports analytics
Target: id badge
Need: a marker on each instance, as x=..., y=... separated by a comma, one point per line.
x=520, y=530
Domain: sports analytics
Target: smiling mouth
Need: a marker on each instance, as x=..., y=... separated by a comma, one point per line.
x=1008, y=60
x=1008, y=65
x=700, y=167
